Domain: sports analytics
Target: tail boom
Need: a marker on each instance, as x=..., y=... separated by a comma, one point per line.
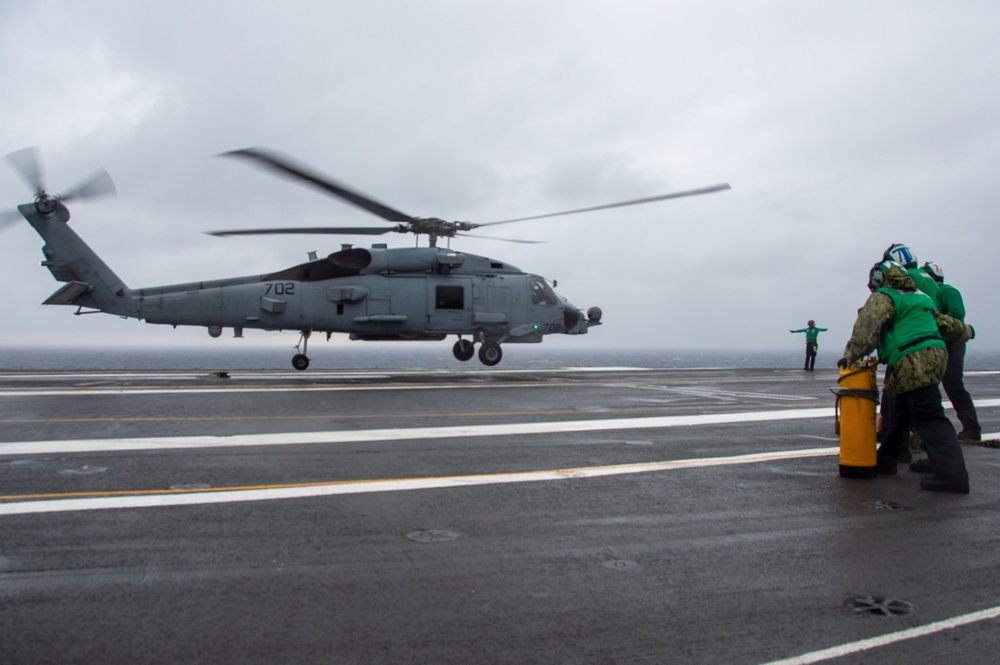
x=89, y=281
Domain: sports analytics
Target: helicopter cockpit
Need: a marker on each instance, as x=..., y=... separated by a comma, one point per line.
x=542, y=293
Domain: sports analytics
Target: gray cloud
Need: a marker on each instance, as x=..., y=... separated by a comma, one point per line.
x=843, y=127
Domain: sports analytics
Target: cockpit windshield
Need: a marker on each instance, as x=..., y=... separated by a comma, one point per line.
x=542, y=293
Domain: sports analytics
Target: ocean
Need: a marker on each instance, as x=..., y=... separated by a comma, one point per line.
x=411, y=355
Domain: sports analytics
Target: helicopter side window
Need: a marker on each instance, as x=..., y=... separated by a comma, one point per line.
x=449, y=297
x=541, y=294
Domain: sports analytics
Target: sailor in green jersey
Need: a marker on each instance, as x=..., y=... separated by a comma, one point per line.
x=909, y=333
x=951, y=303
x=904, y=256
x=812, y=343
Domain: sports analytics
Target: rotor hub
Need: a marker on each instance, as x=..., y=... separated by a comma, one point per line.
x=45, y=204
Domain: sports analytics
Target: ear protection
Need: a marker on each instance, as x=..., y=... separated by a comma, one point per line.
x=876, y=277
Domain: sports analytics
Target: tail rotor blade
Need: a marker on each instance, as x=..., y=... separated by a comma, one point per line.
x=8, y=217
x=26, y=162
x=100, y=184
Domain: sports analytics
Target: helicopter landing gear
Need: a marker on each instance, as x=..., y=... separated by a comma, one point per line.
x=490, y=353
x=300, y=360
x=463, y=350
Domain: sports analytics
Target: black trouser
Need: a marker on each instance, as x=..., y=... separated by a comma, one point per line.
x=954, y=387
x=922, y=409
x=811, y=355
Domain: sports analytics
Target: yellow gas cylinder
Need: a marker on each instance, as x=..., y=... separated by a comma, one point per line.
x=857, y=399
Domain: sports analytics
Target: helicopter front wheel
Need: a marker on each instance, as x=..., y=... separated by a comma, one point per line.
x=464, y=350
x=490, y=353
x=300, y=361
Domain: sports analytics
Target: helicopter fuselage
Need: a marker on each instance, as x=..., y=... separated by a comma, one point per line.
x=422, y=293
x=418, y=293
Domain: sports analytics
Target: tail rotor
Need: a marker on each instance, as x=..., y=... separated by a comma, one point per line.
x=28, y=165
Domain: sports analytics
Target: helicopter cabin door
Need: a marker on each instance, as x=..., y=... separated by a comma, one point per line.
x=449, y=304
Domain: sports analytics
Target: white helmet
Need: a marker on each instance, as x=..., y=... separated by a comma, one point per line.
x=934, y=270
x=901, y=254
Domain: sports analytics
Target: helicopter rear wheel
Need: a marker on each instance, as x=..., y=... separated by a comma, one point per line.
x=300, y=361
x=490, y=353
x=464, y=350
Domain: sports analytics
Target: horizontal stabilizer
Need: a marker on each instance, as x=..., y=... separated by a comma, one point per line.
x=68, y=293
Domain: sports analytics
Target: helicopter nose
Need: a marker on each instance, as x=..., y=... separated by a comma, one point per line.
x=575, y=322
x=571, y=318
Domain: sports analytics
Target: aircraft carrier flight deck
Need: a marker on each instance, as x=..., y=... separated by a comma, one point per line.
x=491, y=515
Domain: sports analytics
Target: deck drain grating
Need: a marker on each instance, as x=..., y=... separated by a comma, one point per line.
x=885, y=606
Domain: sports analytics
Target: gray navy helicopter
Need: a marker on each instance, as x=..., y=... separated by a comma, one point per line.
x=376, y=294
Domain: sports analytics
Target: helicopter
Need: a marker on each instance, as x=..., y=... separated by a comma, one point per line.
x=371, y=294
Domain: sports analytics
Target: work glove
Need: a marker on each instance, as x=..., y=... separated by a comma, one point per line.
x=843, y=363
x=970, y=333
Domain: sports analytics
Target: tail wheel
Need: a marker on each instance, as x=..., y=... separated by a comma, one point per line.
x=490, y=353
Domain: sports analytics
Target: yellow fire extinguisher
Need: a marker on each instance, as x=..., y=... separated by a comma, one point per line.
x=857, y=399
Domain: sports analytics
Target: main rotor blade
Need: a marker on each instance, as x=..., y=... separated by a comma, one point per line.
x=99, y=184
x=523, y=242
x=650, y=199
x=285, y=166
x=26, y=162
x=360, y=230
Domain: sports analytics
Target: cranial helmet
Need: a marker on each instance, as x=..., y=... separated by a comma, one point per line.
x=934, y=270
x=901, y=254
x=811, y=323
x=876, y=276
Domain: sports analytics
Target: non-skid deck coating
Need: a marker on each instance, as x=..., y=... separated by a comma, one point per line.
x=560, y=515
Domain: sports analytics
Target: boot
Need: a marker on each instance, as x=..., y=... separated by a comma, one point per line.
x=938, y=483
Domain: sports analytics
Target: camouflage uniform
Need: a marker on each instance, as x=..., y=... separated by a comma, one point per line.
x=913, y=381
x=921, y=368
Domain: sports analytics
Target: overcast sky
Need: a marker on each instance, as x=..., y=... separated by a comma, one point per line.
x=842, y=127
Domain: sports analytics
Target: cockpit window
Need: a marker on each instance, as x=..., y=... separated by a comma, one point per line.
x=541, y=294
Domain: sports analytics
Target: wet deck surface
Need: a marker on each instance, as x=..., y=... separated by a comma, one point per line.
x=562, y=515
